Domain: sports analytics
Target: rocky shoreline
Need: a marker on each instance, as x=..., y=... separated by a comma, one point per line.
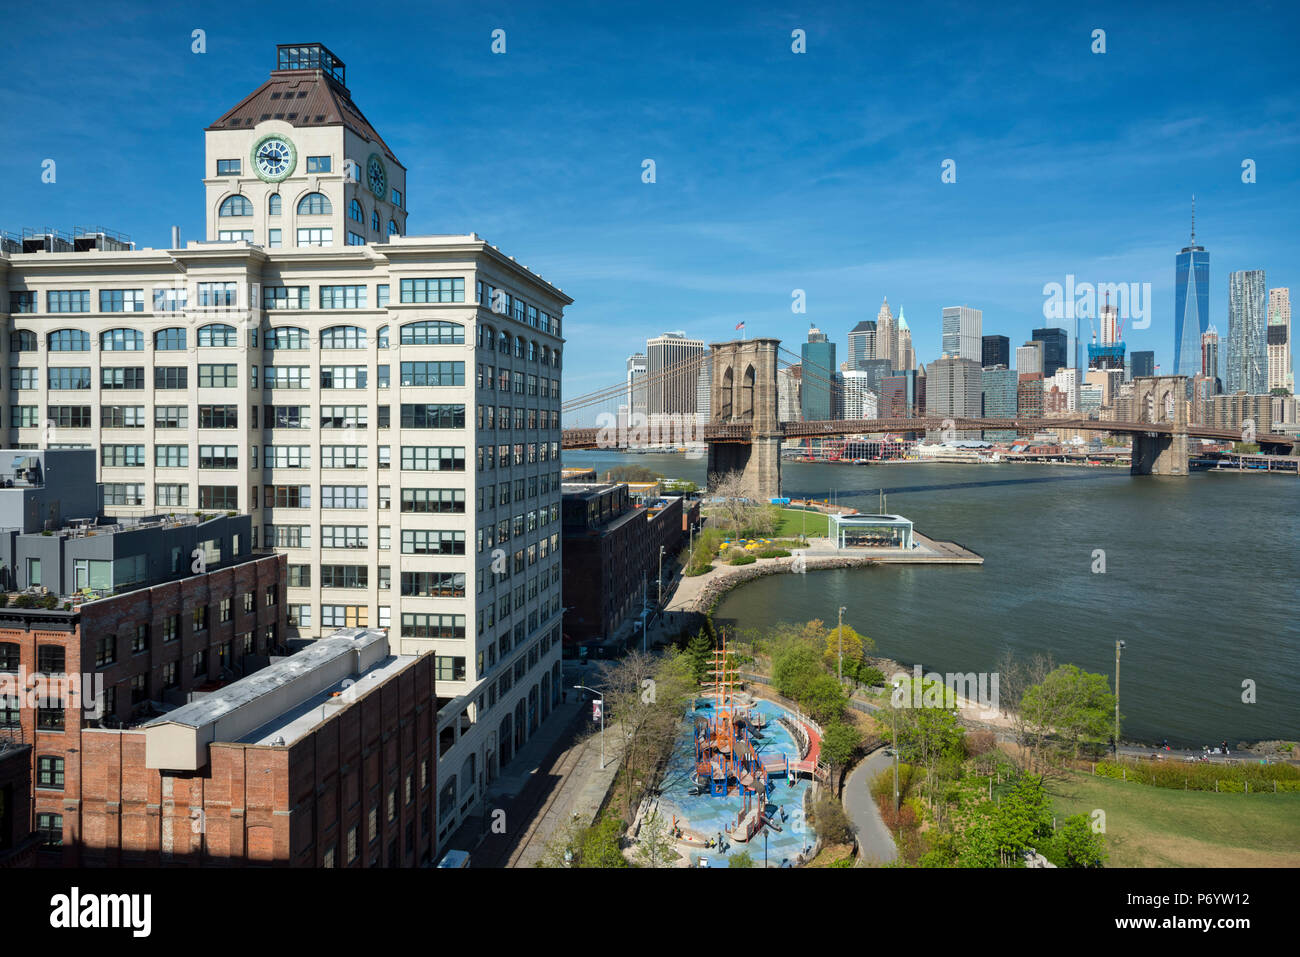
x=727, y=577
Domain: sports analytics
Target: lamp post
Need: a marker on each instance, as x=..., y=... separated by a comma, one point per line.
x=1119, y=646
x=894, y=710
x=661, y=576
x=602, y=721
x=840, y=633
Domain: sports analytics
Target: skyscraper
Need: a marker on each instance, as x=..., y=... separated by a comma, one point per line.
x=953, y=390
x=1247, y=359
x=1191, y=303
x=906, y=358
x=636, y=391
x=1143, y=363
x=862, y=343
x=1280, y=374
x=671, y=384
x=859, y=400
x=1056, y=349
x=998, y=399
x=1210, y=364
x=817, y=397
x=886, y=335
x=1029, y=357
x=961, y=332
x=996, y=351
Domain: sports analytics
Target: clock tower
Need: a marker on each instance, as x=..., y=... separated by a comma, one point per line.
x=297, y=164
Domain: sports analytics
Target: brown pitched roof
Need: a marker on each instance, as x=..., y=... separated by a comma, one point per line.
x=302, y=98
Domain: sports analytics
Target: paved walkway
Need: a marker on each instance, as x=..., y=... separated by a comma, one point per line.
x=875, y=843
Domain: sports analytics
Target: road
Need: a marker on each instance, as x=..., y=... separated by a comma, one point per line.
x=875, y=843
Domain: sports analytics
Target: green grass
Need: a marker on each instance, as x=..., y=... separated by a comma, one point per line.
x=794, y=522
x=1162, y=827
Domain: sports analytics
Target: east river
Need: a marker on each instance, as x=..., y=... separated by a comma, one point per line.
x=1201, y=580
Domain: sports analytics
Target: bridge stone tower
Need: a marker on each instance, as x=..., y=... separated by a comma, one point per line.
x=1160, y=400
x=744, y=393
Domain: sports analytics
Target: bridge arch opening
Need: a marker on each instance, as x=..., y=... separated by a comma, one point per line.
x=747, y=394
x=728, y=384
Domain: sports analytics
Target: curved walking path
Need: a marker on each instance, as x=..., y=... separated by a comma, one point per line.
x=875, y=843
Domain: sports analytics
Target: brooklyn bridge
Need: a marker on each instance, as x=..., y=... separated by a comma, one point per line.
x=744, y=431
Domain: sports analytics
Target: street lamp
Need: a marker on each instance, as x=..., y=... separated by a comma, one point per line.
x=894, y=710
x=840, y=632
x=661, y=576
x=1119, y=646
x=601, y=696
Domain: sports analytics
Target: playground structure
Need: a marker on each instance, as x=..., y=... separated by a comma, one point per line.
x=727, y=759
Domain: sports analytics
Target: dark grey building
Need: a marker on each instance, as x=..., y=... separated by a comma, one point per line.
x=1056, y=349
x=996, y=351
x=42, y=489
x=1142, y=364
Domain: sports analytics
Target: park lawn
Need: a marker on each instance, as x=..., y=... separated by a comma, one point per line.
x=1161, y=827
x=794, y=523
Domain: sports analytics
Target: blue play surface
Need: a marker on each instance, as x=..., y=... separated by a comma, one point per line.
x=709, y=815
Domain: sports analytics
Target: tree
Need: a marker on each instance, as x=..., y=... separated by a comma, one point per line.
x=631, y=473
x=839, y=742
x=655, y=845
x=1022, y=819
x=699, y=656
x=740, y=860
x=1077, y=845
x=852, y=645
x=731, y=499
x=1072, y=703
x=832, y=824
x=600, y=845
x=926, y=733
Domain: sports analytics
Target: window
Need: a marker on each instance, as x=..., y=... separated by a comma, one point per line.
x=433, y=416
x=10, y=712
x=288, y=417
x=315, y=237
x=274, y=205
x=286, y=377
x=24, y=416
x=171, y=456
x=286, y=456
x=22, y=340
x=343, y=416
x=24, y=300
x=345, y=616
x=288, y=496
x=433, y=373
x=49, y=772
x=9, y=656
x=345, y=536
x=50, y=717
x=122, y=377
x=218, y=417
x=422, y=541
x=218, y=294
x=217, y=334
x=433, y=290
x=432, y=332
x=169, y=300
x=218, y=376
x=235, y=236
x=122, y=300
x=315, y=204
x=343, y=377
x=218, y=456
x=397, y=198
x=381, y=376
x=433, y=500
x=434, y=584
x=68, y=340
x=345, y=576
x=355, y=239
x=374, y=220
x=122, y=417
x=381, y=294
x=50, y=827
x=235, y=206
x=169, y=340
x=286, y=536
x=286, y=297
x=171, y=417
x=343, y=457
x=300, y=616
x=344, y=337
x=68, y=300
x=424, y=458
x=51, y=659
x=344, y=496
x=172, y=495
x=299, y=576
x=274, y=238
x=318, y=164
x=122, y=456
x=219, y=496
x=416, y=625
x=229, y=167
x=272, y=593
x=355, y=212
x=170, y=377
x=287, y=337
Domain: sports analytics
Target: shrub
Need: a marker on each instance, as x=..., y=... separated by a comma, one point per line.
x=743, y=560
x=830, y=821
x=1199, y=776
x=23, y=601
x=980, y=742
x=773, y=553
x=50, y=602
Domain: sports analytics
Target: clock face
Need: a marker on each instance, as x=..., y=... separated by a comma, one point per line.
x=376, y=178
x=274, y=158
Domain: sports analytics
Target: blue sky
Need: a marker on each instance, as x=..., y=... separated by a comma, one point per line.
x=775, y=171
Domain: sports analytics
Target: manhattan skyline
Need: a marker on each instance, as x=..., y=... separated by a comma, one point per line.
x=774, y=170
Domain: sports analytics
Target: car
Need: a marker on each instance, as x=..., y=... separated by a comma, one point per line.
x=455, y=859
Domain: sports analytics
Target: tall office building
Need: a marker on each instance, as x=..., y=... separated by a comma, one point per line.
x=1247, y=353
x=859, y=400
x=902, y=395
x=254, y=372
x=1191, y=303
x=1066, y=381
x=1109, y=322
x=995, y=351
x=998, y=399
x=1142, y=363
x=962, y=336
x=704, y=393
x=788, y=381
x=906, y=358
x=886, y=335
x=817, y=383
x=1029, y=357
x=862, y=343
x=672, y=379
x=636, y=384
x=1280, y=372
x=1056, y=349
x=953, y=388
x=1211, y=365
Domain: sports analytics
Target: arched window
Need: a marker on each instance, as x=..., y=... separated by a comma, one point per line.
x=374, y=220
x=68, y=340
x=355, y=212
x=273, y=205
x=236, y=206
x=519, y=347
x=546, y=356
x=286, y=337
x=121, y=340
x=503, y=344
x=343, y=337
x=532, y=350
x=171, y=339
x=490, y=338
x=315, y=204
x=433, y=332
x=555, y=358
x=217, y=334
x=383, y=337
x=392, y=228
x=22, y=340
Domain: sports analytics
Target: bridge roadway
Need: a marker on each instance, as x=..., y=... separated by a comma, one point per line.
x=740, y=434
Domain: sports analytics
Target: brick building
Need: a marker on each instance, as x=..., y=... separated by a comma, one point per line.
x=323, y=759
x=18, y=843
x=111, y=661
